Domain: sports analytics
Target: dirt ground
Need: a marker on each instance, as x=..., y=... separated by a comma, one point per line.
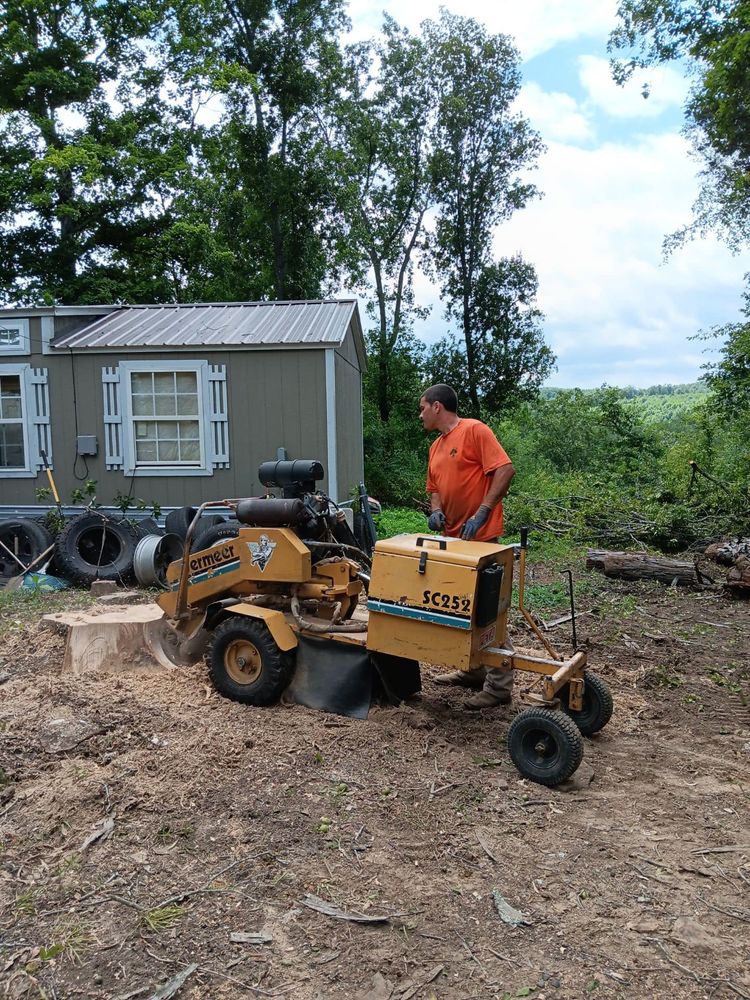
x=145, y=821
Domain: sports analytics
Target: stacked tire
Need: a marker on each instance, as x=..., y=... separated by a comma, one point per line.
x=94, y=546
x=23, y=542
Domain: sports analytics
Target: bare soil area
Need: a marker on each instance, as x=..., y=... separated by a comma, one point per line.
x=159, y=841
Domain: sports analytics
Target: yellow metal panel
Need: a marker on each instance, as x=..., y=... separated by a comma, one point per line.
x=449, y=550
x=283, y=635
x=419, y=640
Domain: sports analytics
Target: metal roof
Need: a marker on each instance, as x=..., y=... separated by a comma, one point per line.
x=221, y=325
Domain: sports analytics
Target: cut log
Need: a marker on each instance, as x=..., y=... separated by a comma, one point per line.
x=738, y=577
x=595, y=558
x=727, y=553
x=641, y=566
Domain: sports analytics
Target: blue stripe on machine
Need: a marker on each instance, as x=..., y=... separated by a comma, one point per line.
x=420, y=614
x=209, y=574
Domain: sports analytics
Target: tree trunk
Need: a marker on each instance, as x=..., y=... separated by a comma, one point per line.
x=640, y=566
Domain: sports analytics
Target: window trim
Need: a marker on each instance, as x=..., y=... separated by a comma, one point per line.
x=201, y=370
x=28, y=471
x=22, y=325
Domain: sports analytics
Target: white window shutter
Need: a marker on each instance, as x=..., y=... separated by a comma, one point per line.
x=218, y=444
x=40, y=437
x=112, y=418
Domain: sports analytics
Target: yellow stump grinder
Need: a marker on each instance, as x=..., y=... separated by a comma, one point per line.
x=291, y=607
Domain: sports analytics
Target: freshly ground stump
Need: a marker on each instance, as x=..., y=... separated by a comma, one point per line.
x=112, y=640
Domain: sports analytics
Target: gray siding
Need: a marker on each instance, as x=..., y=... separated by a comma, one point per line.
x=275, y=398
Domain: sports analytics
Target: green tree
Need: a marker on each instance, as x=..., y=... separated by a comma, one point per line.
x=380, y=134
x=265, y=178
x=713, y=38
x=82, y=185
x=510, y=357
x=729, y=377
x=479, y=147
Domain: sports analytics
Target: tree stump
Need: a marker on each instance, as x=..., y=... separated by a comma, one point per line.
x=111, y=641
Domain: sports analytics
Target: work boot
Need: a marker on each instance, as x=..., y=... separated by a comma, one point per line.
x=485, y=699
x=461, y=678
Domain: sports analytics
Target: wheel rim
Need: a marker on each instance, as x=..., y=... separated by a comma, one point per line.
x=22, y=547
x=99, y=547
x=243, y=661
x=541, y=749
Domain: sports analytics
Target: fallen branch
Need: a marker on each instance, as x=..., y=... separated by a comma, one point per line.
x=331, y=910
x=168, y=990
x=413, y=990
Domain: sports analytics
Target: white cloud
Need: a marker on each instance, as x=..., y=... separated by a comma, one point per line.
x=536, y=25
x=615, y=310
x=554, y=115
x=667, y=89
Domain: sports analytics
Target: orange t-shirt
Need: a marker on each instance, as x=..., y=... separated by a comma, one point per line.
x=457, y=470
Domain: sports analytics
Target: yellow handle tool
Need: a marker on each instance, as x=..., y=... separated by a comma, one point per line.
x=50, y=478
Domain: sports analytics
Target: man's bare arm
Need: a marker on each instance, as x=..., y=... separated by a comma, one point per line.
x=499, y=485
x=435, y=502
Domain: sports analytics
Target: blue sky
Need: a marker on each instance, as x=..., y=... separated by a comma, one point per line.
x=617, y=177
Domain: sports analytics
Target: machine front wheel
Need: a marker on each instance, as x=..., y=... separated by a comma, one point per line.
x=245, y=663
x=545, y=745
x=597, y=705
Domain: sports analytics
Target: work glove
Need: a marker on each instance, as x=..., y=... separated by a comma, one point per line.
x=436, y=521
x=474, y=523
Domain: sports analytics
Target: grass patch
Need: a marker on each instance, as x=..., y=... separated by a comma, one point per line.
x=25, y=902
x=167, y=834
x=161, y=918
x=20, y=609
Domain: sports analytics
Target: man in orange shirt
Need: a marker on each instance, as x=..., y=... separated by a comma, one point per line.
x=468, y=474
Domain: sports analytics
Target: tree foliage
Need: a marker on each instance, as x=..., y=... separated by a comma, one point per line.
x=88, y=153
x=480, y=147
x=380, y=134
x=713, y=38
x=269, y=68
x=511, y=359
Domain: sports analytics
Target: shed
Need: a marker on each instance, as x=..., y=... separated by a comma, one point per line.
x=177, y=404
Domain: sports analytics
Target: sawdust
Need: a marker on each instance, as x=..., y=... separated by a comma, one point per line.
x=145, y=820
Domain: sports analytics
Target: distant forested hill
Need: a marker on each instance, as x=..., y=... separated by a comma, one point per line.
x=658, y=402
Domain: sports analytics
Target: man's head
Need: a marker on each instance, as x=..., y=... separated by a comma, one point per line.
x=437, y=407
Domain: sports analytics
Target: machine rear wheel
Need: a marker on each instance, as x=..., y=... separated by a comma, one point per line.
x=246, y=664
x=597, y=705
x=545, y=745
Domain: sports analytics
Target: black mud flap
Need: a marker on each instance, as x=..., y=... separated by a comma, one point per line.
x=397, y=677
x=345, y=680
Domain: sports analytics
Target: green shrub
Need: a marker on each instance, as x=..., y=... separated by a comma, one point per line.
x=400, y=521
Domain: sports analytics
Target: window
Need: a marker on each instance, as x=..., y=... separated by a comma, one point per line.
x=12, y=445
x=165, y=418
x=14, y=336
x=24, y=420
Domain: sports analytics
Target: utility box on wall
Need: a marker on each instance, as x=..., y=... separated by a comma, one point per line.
x=86, y=445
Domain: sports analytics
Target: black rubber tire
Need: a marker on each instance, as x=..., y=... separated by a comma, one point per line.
x=146, y=526
x=545, y=745
x=27, y=539
x=597, y=705
x=213, y=534
x=178, y=521
x=93, y=547
x=233, y=639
